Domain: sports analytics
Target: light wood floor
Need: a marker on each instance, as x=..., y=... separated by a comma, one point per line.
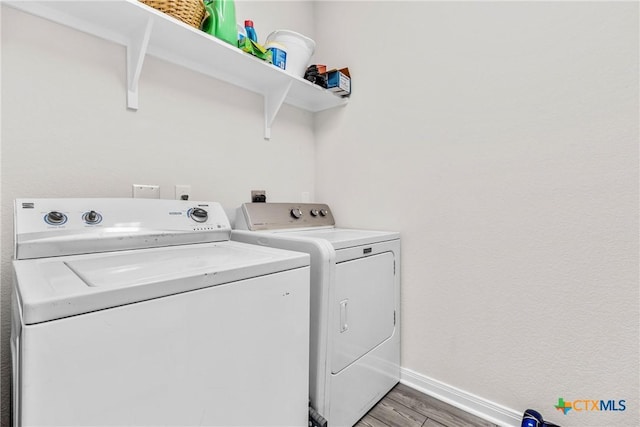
x=406, y=407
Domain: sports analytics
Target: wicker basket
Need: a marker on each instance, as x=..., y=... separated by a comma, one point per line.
x=190, y=12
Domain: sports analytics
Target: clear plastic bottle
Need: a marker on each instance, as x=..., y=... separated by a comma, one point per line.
x=251, y=32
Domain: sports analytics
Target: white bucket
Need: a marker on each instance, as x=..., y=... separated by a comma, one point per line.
x=299, y=50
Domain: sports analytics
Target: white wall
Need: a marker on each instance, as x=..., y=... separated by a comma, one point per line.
x=501, y=139
x=66, y=131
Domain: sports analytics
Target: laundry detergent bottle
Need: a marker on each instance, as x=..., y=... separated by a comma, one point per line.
x=220, y=20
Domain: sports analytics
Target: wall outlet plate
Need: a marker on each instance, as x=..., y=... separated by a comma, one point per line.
x=143, y=191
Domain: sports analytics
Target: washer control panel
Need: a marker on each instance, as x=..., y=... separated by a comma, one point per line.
x=60, y=225
x=275, y=216
x=49, y=215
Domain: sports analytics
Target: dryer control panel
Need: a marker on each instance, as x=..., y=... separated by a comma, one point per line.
x=277, y=216
x=53, y=227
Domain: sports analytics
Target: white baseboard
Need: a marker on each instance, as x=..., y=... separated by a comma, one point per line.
x=461, y=399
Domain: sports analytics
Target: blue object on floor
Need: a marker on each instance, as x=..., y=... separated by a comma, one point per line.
x=533, y=418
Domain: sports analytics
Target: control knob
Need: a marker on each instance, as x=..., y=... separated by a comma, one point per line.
x=92, y=217
x=315, y=212
x=199, y=215
x=296, y=213
x=324, y=212
x=55, y=217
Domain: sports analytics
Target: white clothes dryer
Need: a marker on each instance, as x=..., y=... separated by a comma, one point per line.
x=355, y=302
x=143, y=312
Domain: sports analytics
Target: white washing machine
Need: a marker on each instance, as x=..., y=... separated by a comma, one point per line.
x=355, y=302
x=143, y=312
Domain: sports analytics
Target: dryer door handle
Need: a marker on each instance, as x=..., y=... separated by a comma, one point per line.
x=343, y=316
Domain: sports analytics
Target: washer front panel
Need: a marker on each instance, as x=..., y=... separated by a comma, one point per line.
x=175, y=361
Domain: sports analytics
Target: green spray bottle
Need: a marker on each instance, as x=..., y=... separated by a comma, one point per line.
x=220, y=20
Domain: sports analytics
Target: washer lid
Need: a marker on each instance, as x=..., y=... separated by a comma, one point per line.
x=341, y=238
x=52, y=288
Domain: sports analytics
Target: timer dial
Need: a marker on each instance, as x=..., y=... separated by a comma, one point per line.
x=296, y=213
x=199, y=215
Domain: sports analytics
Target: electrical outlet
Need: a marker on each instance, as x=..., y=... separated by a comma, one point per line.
x=258, y=196
x=141, y=191
x=183, y=191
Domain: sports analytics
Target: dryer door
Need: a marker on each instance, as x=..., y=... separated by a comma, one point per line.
x=363, y=307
